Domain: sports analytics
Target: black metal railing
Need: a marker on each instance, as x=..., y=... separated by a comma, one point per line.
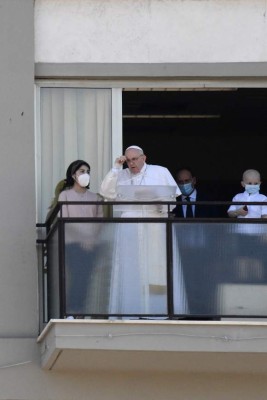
x=149, y=267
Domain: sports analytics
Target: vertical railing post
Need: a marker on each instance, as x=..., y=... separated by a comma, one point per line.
x=169, y=268
x=61, y=266
x=44, y=282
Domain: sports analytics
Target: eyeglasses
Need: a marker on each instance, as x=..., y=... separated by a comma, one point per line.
x=134, y=159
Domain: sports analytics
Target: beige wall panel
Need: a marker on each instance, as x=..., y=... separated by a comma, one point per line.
x=150, y=31
x=26, y=381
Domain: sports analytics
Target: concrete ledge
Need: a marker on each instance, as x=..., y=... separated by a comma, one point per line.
x=155, y=345
x=162, y=71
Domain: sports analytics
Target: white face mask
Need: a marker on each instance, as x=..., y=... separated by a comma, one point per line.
x=252, y=189
x=83, y=180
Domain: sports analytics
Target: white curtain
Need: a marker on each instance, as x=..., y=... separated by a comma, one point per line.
x=74, y=124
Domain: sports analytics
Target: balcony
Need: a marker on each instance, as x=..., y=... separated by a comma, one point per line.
x=181, y=289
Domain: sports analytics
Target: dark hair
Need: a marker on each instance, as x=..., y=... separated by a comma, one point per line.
x=185, y=168
x=72, y=168
x=66, y=183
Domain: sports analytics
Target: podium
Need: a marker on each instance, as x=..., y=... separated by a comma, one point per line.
x=143, y=193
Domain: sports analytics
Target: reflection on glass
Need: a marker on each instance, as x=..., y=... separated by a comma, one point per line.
x=138, y=280
x=219, y=268
x=87, y=267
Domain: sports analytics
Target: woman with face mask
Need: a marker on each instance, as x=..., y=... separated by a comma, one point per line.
x=81, y=239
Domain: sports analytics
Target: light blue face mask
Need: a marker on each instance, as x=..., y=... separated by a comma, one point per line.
x=252, y=189
x=186, y=189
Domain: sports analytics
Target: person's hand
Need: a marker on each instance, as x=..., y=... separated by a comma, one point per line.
x=242, y=212
x=119, y=161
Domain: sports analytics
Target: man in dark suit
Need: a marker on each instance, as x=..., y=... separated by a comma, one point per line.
x=195, y=242
x=186, y=181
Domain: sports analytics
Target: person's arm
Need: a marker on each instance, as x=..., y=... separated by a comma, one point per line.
x=175, y=211
x=236, y=213
x=264, y=210
x=108, y=186
x=63, y=197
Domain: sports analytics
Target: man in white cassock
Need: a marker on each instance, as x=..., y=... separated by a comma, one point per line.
x=139, y=271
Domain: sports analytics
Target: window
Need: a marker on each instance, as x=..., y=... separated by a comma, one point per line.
x=73, y=123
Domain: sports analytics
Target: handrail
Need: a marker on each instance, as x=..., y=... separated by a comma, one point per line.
x=55, y=213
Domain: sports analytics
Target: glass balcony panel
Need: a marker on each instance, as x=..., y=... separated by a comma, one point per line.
x=115, y=268
x=219, y=268
x=243, y=289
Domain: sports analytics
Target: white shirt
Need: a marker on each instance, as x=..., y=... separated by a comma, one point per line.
x=254, y=211
x=192, y=197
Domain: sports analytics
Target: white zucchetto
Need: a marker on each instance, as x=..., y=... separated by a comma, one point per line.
x=134, y=147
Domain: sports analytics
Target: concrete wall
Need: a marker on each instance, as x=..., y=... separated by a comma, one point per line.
x=18, y=264
x=169, y=386
x=29, y=383
x=150, y=31
x=18, y=261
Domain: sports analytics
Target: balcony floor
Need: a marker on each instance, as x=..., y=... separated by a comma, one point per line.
x=158, y=346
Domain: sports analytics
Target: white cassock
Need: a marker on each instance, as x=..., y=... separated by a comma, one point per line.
x=138, y=278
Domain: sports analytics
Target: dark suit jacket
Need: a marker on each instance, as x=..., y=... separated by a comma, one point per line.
x=201, y=211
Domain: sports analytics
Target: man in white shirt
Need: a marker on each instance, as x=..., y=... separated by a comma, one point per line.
x=138, y=281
